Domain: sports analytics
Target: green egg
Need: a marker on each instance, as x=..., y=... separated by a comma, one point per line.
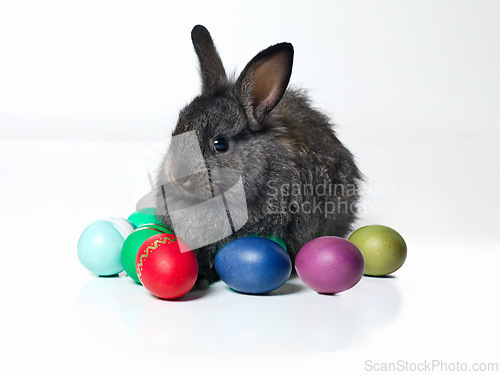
x=133, y=243
x=144, y=216
x=276, y=239
x=383, y=249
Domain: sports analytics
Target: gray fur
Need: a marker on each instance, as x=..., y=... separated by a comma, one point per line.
x=286, y=143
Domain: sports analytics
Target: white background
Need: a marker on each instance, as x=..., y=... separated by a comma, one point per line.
x=89, y=92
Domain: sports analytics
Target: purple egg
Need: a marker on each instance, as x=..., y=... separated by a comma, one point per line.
x=329, y=264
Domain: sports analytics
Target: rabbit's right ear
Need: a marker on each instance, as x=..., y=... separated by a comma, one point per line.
x=213, y=75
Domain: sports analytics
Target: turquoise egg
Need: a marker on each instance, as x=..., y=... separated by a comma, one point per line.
x=100, y=245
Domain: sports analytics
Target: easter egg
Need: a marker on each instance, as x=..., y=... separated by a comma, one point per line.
x=383, y=248
x=329, y=264
x=144, y=216
x=253, y=265
x=134, y=241
x=100, y=245
x=166, y=266
x=274, y=238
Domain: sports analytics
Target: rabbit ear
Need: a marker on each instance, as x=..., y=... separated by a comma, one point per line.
x=263, y=82
x=213, y=75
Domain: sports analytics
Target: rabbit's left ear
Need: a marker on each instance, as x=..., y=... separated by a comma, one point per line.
x=263, y=82
x=213, y=75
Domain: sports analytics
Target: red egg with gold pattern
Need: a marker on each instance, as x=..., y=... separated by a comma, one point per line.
x=166, y=266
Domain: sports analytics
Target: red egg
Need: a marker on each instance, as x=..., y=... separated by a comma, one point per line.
x=166, y=266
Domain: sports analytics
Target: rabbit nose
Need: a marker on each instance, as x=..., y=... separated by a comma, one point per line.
x=188, y=184
x=185, y=181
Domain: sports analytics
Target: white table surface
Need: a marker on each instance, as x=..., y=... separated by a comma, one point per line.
x=59, y=318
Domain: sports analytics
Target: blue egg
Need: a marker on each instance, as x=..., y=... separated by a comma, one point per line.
x=100, y=245
x=253, y=265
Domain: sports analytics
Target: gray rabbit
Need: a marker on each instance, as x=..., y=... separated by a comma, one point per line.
x=298, y=181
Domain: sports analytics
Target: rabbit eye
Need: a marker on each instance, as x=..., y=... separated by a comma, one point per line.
x=220, y=144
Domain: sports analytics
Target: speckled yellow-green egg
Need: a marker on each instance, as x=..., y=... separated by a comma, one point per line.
x=383, y=249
